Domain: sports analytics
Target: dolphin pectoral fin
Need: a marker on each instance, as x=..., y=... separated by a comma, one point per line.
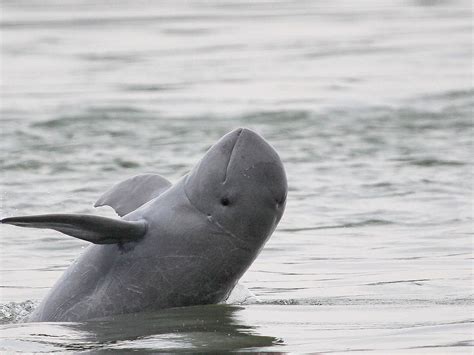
x=94, y=229
x=128, y=195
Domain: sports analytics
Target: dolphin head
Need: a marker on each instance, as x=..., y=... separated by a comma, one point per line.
x=240, y=184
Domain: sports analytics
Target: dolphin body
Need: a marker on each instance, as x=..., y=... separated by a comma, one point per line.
x=174, y=245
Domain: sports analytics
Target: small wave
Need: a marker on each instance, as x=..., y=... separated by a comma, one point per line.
x=431, y=162
x=150, y=88
x=128, y=164
x=276, y=116
x=15, y=312
x=346, y=301
x=462, y=343
x=366, y=223
x=27, y=164
x=92, y=116
x=414, y=281
x=451, y=95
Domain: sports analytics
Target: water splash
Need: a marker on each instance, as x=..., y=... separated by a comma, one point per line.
x=16, y=312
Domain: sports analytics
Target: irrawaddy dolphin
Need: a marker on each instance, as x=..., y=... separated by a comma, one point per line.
x=175, y=245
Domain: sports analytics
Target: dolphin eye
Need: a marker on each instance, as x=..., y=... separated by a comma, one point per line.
x=225, y=201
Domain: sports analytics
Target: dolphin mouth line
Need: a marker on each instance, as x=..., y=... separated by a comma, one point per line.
x=231, y=155
x=211, y=219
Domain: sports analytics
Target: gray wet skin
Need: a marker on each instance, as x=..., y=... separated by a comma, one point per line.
x=188, y=245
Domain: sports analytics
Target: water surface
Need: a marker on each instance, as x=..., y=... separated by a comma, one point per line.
x=368, y=104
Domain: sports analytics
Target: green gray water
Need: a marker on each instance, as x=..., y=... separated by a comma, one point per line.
x=369, y=105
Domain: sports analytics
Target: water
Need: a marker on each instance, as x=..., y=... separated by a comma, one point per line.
x=368, y=104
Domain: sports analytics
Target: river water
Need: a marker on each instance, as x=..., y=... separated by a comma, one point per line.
x=369, y=104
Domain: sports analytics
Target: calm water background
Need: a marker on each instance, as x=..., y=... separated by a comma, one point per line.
x=369, y=104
